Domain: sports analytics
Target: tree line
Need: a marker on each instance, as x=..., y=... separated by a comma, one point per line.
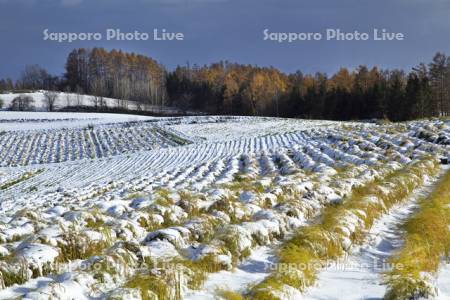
x=228, y=88
x=231, y=88
x=116, y=74
x=100, y=73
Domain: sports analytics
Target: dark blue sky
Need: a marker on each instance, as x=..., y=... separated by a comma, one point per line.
x=228, y=29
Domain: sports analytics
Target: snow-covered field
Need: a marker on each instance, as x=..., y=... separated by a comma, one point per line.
x=15, y=121
x=97, y=206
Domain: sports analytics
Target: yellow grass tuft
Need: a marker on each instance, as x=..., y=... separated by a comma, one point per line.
x=229, y=295
x=427, y=241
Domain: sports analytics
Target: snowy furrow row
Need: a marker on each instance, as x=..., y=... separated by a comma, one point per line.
x=21, y=148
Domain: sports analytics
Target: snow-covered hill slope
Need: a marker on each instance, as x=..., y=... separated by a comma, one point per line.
x=71, y=100
x=162, y=203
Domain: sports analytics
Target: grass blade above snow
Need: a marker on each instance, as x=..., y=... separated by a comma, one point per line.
x=427, y=240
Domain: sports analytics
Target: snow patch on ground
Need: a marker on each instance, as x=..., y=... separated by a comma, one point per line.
x=254, y=269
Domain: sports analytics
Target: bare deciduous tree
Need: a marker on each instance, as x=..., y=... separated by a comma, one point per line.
x=79, y=93
x=22, y=103
x=68, y=96
x=34, y=77
x=50, y=99
x=98, y=88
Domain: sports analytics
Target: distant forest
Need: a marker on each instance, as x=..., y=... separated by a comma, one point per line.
x=231, y=88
